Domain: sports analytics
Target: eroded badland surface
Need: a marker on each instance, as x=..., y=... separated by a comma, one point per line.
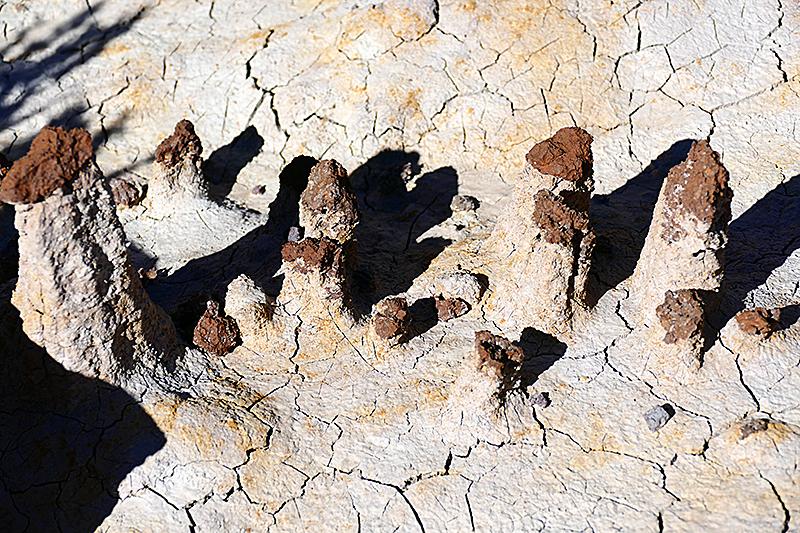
x=346, y=294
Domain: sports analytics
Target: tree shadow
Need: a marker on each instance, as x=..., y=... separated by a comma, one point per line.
x=622, y=219
x=223, y=166
x=541, y=352
x=393, y=218
x=67, y=440
x=257, y=254
x=23, y=79
x=760, y=240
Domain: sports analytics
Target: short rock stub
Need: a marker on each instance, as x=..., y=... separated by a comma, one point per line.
x=567, y=154
x=183, y=143
x=215, y=334
x=759, y=321
x=55, y=157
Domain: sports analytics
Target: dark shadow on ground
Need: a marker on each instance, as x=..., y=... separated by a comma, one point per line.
x=621, y=220
x=392, y=219
x=759, y=241
x=223, y=166
x=423, y=316
x=541, y=352
x=67, y=441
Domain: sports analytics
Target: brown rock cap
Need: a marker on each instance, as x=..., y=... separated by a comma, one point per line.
x=681, y=315
x=180, y=145
x=324, y=255
x=559, y=223
x=391, y=318
x=567, y=154
x=215, y=334
x=55, y=157
x=759, y=321
x=328, y=201
x=699, y=187
x=125, y=193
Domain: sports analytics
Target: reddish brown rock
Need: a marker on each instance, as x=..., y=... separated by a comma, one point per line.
x=450, y=308
x=324, y=255
x=681, y=315
x=328, y=206
x=559, y=223
x=125, y=193
x=55, y=157
x=698, y=187
x=759, y=321
x=567, y=154
x=215, y=334
x=391, y=318
x=498, y=357
x=183, y=143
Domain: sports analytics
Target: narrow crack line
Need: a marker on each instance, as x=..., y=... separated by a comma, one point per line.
x=413, y=222
x=787, y=517
x=741, y=375
x=353, y=346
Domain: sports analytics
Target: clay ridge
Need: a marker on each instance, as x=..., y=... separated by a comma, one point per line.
x=558, y=222
x=567, y=154
x=55, y=157
x=180, y=145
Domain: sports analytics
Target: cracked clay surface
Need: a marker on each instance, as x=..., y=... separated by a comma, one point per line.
x=311, y=420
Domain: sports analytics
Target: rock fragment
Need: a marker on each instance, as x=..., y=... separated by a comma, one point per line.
x=541, y=399
x=543, y=241
x=450, y=308
x=391, y=318
x=214, y=333
x=328, y=206
x=55, y=158
x=182, y=145
x=464, y=202
x=78, y=294
x=499, y=359
x=685, y=245
x=682, y=316
x=125, y=193
x=759, y=321
x=657, y=417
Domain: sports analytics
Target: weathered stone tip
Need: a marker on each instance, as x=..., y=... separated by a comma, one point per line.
x=215, y=334
x=567, y=154
x=322, y=254
x=125, y=193
x=681, y=315
x=55, y=157
x=699, y=186
x=183, y=143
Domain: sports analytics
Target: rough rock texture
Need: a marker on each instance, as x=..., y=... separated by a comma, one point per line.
x=55, y=158
x=177, y=176
x=77, y=292
x=682, y=316
x=759, y=321
x=465, y=286
x=328, y=206
x=391, y=319
x=317, y=425
x=450, y=308
x=182, y=145
x=250, y=307
x=125, y=193
x=685, y=246
x=543, y=239
x=214, y=333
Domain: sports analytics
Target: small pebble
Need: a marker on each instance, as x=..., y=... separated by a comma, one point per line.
x=541, y=399
x=259, y=189
x=295, y=234
x=463, y=202
x=658, y=417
